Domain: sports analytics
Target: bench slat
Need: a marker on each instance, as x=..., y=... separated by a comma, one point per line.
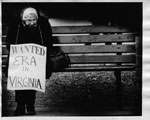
x=95, y=68
x=4, y=50
x=100, y=68
x=4, y=59
x=102, y=59
x=88, y=29
x=94, y=38
x=81, y=29
x=92, y=49
x=89, y=39
x=95, y=59
x=98, y=49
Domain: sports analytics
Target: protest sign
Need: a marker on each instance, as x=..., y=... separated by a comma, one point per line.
x=27, y=67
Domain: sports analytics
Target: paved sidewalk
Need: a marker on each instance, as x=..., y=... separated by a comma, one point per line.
x=63, y=111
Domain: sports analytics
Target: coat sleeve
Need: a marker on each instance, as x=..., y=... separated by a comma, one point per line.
x=48, y=42
x=11, y=35
x=47, y=34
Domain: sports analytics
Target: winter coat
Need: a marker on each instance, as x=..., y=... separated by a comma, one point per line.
x=42, y=35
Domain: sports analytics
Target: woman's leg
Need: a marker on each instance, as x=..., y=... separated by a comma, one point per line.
x=20, y=99
x=30, y=101
x=25, y=97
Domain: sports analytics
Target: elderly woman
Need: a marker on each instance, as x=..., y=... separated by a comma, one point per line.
x=29, y=27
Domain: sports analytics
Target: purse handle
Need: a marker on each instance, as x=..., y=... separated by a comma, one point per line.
x=39, y=31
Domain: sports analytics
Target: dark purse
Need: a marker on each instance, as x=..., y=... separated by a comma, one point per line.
x=58, y=61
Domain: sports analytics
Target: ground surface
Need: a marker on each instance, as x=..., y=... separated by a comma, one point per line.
x=81, y=94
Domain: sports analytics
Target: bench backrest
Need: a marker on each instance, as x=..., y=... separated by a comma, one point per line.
x=93, y=48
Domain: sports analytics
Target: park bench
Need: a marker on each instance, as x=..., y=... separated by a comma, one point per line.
x=96, y=48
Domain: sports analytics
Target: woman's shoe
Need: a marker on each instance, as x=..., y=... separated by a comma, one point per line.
x=20, y=110
x=31, y=112
x=30, y=109
x=18, y=113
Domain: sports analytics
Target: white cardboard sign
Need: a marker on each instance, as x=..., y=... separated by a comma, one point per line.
x=27, y=67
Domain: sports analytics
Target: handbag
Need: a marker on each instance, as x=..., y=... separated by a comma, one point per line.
x=58, y=60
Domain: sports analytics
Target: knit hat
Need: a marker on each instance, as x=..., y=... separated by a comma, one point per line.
x=29, y=13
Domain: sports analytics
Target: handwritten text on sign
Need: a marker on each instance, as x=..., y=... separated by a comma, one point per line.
x=26, y=70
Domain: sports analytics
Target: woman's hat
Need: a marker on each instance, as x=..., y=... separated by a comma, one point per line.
x=29, y=13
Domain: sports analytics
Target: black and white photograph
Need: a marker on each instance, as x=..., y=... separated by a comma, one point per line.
x=71, y=59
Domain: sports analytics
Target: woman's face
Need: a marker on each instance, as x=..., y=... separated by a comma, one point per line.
x=30, y=17
x=32, y=22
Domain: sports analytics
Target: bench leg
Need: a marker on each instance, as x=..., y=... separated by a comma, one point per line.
x=118, y=88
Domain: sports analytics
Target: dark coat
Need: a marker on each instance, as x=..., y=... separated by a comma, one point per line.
x=42, y=35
